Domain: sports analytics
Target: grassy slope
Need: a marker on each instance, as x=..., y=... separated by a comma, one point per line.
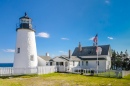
x=59, y=79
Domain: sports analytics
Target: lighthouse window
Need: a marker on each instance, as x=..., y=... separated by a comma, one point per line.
x=98, y=62
x=32, y=58
x=18, y=51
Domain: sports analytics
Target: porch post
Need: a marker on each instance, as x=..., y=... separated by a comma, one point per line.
x=64, y=66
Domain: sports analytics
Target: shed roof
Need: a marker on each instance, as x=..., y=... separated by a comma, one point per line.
x=46, y=58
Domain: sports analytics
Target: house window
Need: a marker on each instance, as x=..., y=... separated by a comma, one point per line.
x=79, y=63
x=46, y=63
x=86, y=63
x=73, y=63
x=50, y=63
x=57, y=63
x=82, y=63
x=61, y=63
x=32, y=57
x=18, y=50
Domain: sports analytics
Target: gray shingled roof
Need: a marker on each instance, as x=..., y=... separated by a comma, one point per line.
x=74, y=58
x=86, y=51
x=46, y=58
x=91, y=50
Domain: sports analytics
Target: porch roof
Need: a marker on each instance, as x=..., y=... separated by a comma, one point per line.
x=60, y=58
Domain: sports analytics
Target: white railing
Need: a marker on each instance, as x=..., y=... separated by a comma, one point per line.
x=8, y=71
x=46, y=69
x=61, y=69
x=106, y=73
x=83, y=71
x=125, y=73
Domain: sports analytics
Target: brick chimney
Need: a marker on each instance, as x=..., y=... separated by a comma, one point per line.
x=69, y=53
x=80, y=47
x=47, y=54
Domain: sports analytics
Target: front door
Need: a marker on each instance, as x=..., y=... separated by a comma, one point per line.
x=57, y=65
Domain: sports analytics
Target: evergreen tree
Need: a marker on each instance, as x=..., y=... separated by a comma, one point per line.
x=113, y=59
x=120, y=60
x=126, y=54
x=121, y=54
x=117, y=54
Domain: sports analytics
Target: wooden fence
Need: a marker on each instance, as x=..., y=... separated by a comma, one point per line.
x=8, y=71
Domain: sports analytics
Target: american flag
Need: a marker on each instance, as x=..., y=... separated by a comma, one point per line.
x=95, y=40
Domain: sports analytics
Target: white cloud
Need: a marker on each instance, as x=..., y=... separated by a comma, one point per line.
x=43, y=34
x=107, y=1
x=91, y=38
x=111, y=38
x=9, y=50
x=63, y=52
x=64, y=38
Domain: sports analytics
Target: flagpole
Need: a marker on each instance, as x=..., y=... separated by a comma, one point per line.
x=97, y=59
x=96, y=44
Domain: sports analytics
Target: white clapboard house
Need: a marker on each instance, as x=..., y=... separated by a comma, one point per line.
x=44, y=60
x=84, y=58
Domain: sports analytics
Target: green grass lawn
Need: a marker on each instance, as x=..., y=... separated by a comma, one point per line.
x=109, y=74
x=61, y=79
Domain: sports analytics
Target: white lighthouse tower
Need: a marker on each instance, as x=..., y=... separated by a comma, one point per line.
x=25, y=56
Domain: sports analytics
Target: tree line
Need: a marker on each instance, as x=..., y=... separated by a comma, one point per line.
x=120, y=60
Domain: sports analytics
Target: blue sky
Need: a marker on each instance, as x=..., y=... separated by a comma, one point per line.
x=61, y=24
